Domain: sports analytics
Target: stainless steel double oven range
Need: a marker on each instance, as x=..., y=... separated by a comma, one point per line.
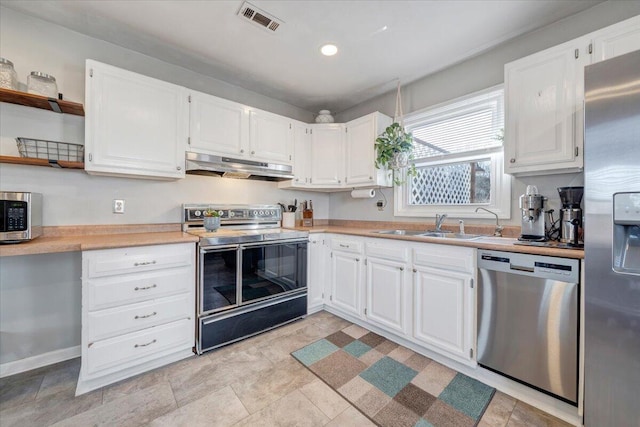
x=252, y=274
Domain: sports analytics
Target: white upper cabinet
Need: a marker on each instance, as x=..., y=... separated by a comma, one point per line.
x=135, y=125
x=543, y=101
x=616, y=40
x=327, y=155
x=544, y=95
x=218, y=126
x=338, y=156
x=226, y=128
x=360, y=151
x=301, y=156
x=271, y=137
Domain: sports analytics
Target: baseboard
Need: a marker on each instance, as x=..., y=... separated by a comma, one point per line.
x=33, y=362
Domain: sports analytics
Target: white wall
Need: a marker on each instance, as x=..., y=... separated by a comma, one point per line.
x=480, y=72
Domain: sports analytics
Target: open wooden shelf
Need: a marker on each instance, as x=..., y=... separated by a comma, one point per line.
x=39, y=101
x=42, y=162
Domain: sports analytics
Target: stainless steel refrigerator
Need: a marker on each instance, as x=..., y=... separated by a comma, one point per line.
x=612, y=242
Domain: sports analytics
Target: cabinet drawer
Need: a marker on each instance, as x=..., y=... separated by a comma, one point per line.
x=388, y=252
x=110, y=262
x=125, y=350
x=112, y=291
x=453, y=258
x=345, y=245
x=134, y=317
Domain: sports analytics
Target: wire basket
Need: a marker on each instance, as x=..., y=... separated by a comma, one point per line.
x=51, y=150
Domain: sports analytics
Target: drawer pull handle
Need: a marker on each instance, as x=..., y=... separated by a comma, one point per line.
x=146, y=315
x=343, y=246
x=144, y=345
x=144, y=288
x=138, y=264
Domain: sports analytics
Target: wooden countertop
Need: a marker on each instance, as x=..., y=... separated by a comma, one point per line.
x=506, y=244
x=85, y=238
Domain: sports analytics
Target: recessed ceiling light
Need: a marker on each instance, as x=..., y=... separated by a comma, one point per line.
x=329, y=49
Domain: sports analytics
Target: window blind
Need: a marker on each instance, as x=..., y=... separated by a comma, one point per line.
x=465, y=126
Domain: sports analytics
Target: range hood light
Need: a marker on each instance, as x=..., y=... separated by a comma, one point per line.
x=236, y=175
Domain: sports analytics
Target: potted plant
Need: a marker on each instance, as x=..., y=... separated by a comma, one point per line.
x=393, y=151
x=211, y=219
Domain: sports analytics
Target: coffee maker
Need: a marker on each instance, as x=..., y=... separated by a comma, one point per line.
x=532, y=208
x=570, y=215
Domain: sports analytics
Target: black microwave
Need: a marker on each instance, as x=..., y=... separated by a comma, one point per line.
x=20, y=216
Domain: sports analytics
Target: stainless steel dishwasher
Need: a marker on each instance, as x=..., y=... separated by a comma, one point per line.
x=528, y=320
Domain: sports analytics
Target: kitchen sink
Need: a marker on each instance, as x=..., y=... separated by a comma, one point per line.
x=448, y=235
x=418, y=233
x=401, y=232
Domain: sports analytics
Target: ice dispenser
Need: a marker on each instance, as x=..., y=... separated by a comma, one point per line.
x=626, y=233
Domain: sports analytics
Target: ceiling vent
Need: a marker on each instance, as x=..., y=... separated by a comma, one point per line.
x=259, y=17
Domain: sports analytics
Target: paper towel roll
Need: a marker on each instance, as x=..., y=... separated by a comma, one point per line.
x=363, y=194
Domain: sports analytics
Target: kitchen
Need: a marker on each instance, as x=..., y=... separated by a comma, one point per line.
x=75, y=198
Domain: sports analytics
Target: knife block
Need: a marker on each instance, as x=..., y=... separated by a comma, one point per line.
x=307, y=218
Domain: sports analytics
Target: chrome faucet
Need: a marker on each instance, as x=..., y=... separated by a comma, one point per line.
x=439, y=220
x=498, y=230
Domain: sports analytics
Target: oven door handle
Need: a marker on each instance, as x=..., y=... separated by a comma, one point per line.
x=213, y=249
x=273, y=242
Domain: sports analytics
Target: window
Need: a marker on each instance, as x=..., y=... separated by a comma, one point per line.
x=458, y=156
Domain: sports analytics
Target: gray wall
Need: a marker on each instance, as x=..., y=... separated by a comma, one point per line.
x=480, y=72
x=73, y=197
x=40, y=295
x=36, y=45
x=40, y=304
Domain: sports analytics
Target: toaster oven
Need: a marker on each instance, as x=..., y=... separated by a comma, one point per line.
x=20, y=216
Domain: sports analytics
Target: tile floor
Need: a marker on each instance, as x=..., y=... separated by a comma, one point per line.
x=251, y=383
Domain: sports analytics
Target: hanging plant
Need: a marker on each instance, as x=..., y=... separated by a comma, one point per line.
x=394, y=147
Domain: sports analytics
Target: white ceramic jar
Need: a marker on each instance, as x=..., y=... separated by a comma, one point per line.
x=324, y=116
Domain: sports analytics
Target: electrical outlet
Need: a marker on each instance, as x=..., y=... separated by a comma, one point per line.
x=380, y=205
x=118, y=206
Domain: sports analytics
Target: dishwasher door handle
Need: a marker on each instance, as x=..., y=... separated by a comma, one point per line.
x=521, y=268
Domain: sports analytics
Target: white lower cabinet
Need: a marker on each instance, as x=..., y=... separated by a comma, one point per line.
x=316, y=273
x=441, y=303
x=420, y=292
x=138, y=347
x=347, y=276
x=138, y=311
x=444, y=300
x=388, y=287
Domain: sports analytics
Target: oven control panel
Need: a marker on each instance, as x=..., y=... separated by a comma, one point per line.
x=251, y=213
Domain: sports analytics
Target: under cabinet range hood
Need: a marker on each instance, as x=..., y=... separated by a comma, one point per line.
x=228, y=167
